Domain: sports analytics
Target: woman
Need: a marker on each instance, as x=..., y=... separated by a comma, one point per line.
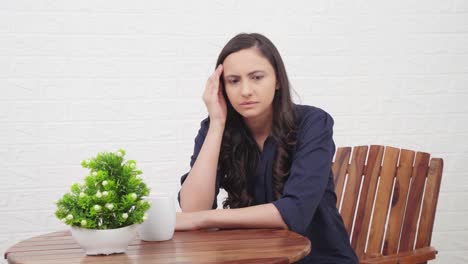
x=272, y=157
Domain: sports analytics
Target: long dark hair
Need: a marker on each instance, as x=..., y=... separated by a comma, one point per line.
x=239, y=156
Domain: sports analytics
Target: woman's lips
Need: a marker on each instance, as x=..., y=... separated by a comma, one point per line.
x=249, y=104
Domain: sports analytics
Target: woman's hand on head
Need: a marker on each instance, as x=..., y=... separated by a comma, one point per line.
x=214, y=99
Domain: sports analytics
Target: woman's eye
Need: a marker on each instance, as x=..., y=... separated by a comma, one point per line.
x=258, y=77
x=232, y=81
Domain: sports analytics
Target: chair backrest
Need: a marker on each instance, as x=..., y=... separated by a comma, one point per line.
x=387, y=197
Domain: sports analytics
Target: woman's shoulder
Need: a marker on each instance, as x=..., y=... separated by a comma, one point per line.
x=203, y=130
x=205, y=123
x=307, y=114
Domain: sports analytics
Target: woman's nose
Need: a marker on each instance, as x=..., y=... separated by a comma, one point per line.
x=246, y=90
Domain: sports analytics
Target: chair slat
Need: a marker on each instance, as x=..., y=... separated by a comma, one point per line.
x=382, y=201
x=400, y=195
x=350, y=196
x=366, y=200
x=415, y=187
x=431, y=196
x=414, y=201
x=339, y=168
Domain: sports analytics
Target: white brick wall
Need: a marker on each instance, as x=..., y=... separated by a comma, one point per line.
x=78, y=77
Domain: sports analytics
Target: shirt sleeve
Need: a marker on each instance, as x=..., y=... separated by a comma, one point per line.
x=199, y=139
x=310, y=171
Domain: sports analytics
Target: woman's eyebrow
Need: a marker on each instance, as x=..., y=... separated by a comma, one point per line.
x=249, y=74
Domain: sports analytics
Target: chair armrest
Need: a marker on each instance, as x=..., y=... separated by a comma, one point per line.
x=408, y=257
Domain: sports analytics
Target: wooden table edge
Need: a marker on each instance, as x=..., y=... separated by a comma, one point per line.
x=274, y=260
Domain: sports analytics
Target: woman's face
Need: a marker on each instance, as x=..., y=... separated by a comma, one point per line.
x=250, y=82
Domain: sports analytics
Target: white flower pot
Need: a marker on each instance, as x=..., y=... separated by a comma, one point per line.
x=105, y=241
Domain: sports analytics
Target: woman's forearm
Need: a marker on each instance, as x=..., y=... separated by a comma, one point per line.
x=258, y=216
x=198, y=191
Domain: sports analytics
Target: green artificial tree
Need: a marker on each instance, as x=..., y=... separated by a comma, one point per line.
x=110, y=197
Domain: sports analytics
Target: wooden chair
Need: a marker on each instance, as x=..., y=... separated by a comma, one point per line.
x=388, y=207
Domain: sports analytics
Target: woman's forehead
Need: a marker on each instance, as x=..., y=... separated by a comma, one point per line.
x=245, y=61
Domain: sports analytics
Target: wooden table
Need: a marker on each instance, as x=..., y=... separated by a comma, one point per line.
x=207, y=246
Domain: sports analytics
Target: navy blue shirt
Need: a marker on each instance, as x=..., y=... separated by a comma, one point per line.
x=308, y=203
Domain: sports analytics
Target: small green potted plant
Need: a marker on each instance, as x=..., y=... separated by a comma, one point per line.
x=104, y=211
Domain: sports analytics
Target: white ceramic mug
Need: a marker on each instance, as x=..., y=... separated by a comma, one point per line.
x=160, y=224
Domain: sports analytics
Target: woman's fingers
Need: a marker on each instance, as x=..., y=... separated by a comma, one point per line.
x=214, y=79
x=213, y=96
x=219, y=70
x=218, y=73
